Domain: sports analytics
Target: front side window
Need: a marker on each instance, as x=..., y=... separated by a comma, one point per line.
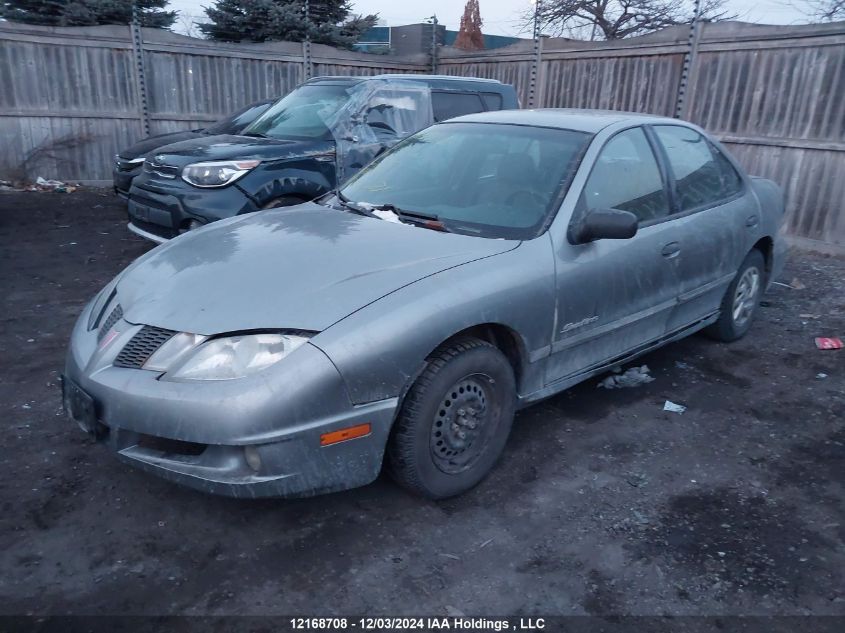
x=626, y=177
x=700, y=179
x=302, y=114
x=485, y=179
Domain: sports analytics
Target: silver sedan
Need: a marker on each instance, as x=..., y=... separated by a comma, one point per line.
x=481, y=265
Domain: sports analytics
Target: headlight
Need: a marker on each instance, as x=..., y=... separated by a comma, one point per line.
x=236, y=356
x=217, y=173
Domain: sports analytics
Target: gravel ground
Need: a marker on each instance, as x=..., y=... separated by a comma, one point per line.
x=603, y=503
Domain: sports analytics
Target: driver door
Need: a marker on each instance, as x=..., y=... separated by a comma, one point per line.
x=616, y=296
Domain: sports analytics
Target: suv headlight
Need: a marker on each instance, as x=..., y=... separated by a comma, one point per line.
x=217, y=173
x=236, y=356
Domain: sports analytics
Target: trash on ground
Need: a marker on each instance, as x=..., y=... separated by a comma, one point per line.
x=807, y=315
x=673, y=407
x=828, y=343
x=57, y=186
x=796, y=284
x=821, y=375
x=634, y=377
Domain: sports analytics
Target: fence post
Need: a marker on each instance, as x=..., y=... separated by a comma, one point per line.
x=140, y=76
x=307, y=63
x=536, y=61
x=682, y=102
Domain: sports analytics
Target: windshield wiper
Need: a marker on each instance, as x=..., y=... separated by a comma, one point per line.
x=418, y=218
x=353, y=206
x=255, y=135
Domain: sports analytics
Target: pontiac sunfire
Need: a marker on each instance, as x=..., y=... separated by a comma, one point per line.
x=481, y=265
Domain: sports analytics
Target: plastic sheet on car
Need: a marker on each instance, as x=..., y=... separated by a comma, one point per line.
x=379, y=114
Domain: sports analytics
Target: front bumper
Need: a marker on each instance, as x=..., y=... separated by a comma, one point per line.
x=210, y=436
x=167, y=209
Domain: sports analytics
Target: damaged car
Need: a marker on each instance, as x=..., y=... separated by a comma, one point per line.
x=317, y=136
x=128, y=163
x=479, y=266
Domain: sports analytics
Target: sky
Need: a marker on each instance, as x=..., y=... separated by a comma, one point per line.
x=501, y=17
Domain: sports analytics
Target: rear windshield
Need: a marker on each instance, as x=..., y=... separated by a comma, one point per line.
x=302, y=113
x=487, y=179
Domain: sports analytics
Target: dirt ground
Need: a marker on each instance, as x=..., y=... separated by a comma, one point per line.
x=603, y=503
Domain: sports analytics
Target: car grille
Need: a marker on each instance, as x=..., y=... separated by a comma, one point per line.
x=143, y=345
x=115, y=316
x=161, y=169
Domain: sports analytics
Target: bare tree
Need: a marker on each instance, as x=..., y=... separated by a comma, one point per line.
x=823, y=10
x=615, y=19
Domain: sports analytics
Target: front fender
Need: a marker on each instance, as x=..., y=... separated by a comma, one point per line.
x=380, y=348
x=306, y=177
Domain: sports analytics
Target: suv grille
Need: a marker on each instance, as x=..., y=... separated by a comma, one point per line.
x=161, y=169
x=115, y=316
x=143, y=345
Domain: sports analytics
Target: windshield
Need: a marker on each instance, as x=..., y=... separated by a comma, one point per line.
x=302, y=113
x=234, y=123
x=492, y=180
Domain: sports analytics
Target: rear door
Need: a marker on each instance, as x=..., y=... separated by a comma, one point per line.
x=448, y=105
x=713, y=215
x=615, y=296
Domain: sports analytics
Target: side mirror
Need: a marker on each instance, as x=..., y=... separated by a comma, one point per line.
x=605, y=224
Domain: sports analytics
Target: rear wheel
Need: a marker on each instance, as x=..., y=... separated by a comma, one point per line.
x=741, y=300
x=455, y=420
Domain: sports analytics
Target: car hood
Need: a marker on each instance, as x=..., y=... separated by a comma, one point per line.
x=145, y=146
x=227, y=147
x=304, y=267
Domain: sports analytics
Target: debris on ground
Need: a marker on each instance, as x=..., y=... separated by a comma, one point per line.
x=673, y=407
x=821, y=375
x=828, y=343
x=634, y=377
x=56, y=186
x=796, y=284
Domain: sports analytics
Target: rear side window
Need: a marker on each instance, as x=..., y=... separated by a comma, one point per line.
x=626, y=177
x=492, y=100
x=703, y=176
x=448, y=105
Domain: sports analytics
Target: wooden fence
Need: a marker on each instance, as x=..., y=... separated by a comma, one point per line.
x=774, y=95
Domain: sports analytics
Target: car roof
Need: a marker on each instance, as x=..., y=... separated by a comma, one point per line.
x=432, y=79
x=591, y=121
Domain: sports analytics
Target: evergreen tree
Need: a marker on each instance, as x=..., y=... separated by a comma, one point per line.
x=470, y=37
x=86, y=12
x=329, y=21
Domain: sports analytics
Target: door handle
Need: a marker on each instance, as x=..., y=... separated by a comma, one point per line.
x=671, y=249
x=752, y=221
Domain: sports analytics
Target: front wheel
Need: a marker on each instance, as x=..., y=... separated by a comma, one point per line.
x=741, y=300
x=455, y=420
x=283, y=201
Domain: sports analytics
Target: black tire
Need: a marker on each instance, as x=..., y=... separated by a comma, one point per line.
x=467, y=385
x=283, y=201
x=730, y=328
